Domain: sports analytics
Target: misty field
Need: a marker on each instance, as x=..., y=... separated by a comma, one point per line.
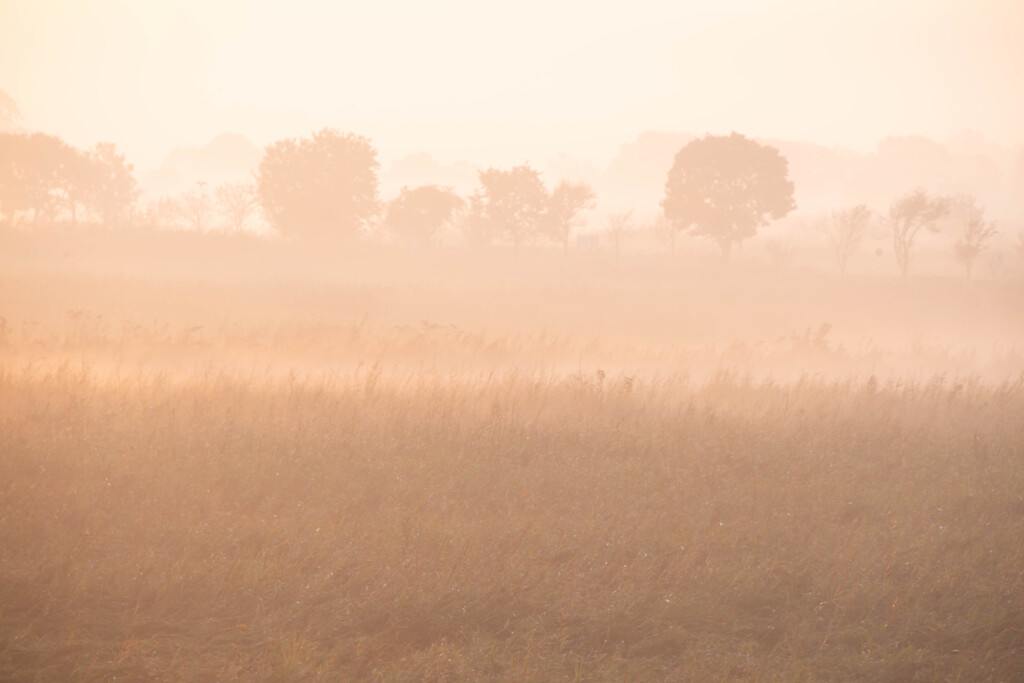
x=522, y=470
x=516, y=526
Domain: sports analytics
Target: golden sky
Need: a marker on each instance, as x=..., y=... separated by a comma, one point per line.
x=511, y=82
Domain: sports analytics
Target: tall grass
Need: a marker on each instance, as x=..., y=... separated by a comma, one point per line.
x=516, y=525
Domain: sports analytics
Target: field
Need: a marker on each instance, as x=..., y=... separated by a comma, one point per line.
x=527, y=469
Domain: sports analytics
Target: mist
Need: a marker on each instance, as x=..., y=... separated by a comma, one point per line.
x=554, y=342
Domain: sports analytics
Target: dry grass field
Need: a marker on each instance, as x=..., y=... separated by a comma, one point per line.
x=208, y=480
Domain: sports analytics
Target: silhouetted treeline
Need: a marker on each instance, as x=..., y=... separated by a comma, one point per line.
x=722, y=189
x=45, y=180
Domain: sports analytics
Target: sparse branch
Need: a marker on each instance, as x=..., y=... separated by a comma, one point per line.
x=846, y=229
x=237, y=203
x=780, y=252
x=618, y=225
x=194, y=207
x=972, y=230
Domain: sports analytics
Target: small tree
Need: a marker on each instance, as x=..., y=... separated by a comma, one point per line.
x=513, y=203
x=973, y=232
x=908, y=215
x=322, y=186
x=194, y=206
x=236, y=203
x=416, y=215
x=846, y=229
x=163, y=213
x=724, y=188
x=566, y=203
x=618, y=225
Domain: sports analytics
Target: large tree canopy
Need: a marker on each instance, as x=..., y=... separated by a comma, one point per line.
x=323, y=186
x=724, y=188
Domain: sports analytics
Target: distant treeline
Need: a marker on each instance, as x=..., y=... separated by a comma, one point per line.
x=326, y=186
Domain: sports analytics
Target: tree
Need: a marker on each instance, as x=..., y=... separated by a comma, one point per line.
x=194, y=207
x=236, y=203
x=476, y=229
x=563, y=211
x=72, y=183
x=724, y=188
x=10, y=117
x=323, y=186
x=846, y=229
x=163, y=213
x=34, y=175
x=908, y=215
x=618, y=225
x=513, y=203
x=112, y=188
x=44, y=175
x=969, y=219
x=416, y=215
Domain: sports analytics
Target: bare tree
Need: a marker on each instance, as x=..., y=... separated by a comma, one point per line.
x=237, y=203
x=618, y=225
x=973, y=232
x=194, y=207
x=908, y=214
x=846, y=229
x=161, y=214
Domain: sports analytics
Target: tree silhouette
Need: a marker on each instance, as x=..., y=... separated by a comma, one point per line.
x=10, y=117
x=34, y=175
x=618, y=225
x=846, y=229
x=416, y=215
x=112, y=188
x=237, y=203
x=724, y=188
x=473, y=223
x=566, y=202
x=969, y=219
x=43, y=176
x=194, y=207
x=512, y=203
x=322, y=186
x=72, y=184
x=908, y=215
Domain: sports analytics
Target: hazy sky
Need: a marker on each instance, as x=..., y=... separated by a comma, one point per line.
x=510, y=82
